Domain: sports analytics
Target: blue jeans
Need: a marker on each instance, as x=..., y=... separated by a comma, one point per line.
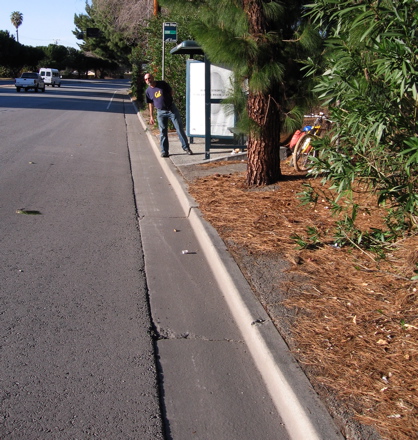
x=174, y=115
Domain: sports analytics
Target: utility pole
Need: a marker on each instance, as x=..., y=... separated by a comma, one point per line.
x=156, y=8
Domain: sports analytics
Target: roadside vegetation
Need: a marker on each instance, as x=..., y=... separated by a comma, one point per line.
x=369, y=83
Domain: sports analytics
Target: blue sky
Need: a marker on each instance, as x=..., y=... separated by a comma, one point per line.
x=44, y=22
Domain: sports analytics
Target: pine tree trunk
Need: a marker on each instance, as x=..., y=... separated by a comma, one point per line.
x=156, y=8
x=263, y=166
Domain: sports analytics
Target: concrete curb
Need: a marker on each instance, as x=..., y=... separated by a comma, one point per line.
x=304, y=414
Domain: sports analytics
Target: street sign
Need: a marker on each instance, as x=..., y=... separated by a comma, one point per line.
x=170, y=32
x=169, y=36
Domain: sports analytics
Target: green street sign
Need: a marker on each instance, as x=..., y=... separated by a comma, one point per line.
x=170, y=32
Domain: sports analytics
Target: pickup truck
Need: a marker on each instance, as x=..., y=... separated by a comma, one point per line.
x=30, y=80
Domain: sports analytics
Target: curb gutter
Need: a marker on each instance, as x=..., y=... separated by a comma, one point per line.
x=301, y=409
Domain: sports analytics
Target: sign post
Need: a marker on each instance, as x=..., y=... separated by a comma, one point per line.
x=169, y=36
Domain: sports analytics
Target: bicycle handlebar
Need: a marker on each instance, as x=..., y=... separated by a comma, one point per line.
x=320, y=116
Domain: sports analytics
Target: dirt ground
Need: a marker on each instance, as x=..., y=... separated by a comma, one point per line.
x=349, y=317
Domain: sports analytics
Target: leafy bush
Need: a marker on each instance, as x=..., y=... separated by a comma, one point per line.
x=370, y=85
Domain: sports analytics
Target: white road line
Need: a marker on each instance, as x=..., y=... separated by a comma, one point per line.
x=110, y=102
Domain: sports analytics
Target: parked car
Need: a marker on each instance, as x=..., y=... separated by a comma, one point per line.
x=30, y=80
x=50, y=76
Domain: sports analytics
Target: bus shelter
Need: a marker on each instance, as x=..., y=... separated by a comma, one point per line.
x=214, y=83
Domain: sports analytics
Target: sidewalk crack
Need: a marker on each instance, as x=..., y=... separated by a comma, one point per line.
x=167, y=333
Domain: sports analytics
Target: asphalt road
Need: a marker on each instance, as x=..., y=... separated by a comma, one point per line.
x=108, y=329
x=76, y=354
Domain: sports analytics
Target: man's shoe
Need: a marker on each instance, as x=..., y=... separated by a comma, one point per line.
x=164, y=154
x=188, y=151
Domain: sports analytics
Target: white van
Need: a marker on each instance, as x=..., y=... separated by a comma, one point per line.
x=51, y=77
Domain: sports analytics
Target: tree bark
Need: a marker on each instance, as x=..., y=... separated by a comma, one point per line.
x=263, y=166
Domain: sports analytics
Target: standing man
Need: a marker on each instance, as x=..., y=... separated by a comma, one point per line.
x=159, y=94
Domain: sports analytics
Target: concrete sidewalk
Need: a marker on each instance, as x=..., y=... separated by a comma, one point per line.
x=180, y=158
x=301, y=410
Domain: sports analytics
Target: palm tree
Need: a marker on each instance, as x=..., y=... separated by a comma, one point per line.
x=16, y=18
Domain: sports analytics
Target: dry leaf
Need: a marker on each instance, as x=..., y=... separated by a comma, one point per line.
x=382, y=342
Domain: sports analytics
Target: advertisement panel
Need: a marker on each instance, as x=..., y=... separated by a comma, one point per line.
x=222, y=115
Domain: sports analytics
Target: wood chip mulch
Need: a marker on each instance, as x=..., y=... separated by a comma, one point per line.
x=356, y=323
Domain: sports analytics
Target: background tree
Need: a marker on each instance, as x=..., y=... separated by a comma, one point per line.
x=10, y=54
x=31, y=58
x=56, y=56
x=371, y=87
x=17, y=19
x=109, y=44
x=131, y=19
x=138, y=25
x=127, y=17
x=77, y=61
x=15, y=57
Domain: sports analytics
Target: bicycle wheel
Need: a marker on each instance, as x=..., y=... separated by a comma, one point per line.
x=303, y=153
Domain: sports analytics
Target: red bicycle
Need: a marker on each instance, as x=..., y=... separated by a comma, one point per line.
x=303, y=150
